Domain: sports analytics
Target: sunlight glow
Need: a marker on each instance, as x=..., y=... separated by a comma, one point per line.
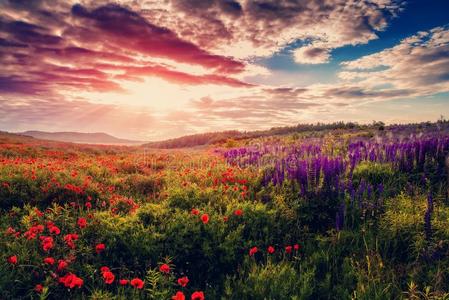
x=162, y=96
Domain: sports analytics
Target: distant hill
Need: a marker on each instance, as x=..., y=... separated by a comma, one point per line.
x=195, y=140
x=211, y=138
x=7, y=137
x=80, y=137
x=220, y=137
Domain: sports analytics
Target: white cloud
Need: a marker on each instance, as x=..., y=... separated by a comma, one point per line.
x=418, y=64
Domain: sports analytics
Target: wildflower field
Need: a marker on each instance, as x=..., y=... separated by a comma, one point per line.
x=332, y=214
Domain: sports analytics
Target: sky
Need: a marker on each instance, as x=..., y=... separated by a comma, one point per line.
x=152, y=70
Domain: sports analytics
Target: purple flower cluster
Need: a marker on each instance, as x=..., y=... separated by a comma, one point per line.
x=313, y=168
x=320, y=172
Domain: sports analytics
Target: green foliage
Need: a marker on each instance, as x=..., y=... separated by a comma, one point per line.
x=269, y=281
x=380, y=173
x=101, y=295
x=150, y=215
x=158, y=285
x=141, y=185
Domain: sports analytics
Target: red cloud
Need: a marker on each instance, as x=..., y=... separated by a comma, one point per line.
x=128, y=30
x=93, y=50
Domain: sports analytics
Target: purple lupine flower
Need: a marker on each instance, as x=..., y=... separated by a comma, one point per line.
x=352, y=193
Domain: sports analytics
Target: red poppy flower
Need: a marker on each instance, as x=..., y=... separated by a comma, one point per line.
x=197, y=296
x=179, y=296
x=238, y=212
x=12, y=259
x=100, y=248
x=137, y=283
x=183, y=281
x=296, y=247
x=105, y=269
x=49, y=260
x=54, y=229
x=62, y=264
x=108, y=277
x=71, y=280
x=47, y=242
x=225, y=218
x=288, y=249
x=205, y=218
x=88, y=205
x=164, y=268
x=69, y=238
x=195, y=211
x=253, y=251
x=82, y=223
x=270, y=249
x=38, y=288
x=123, y=281
x=33, y=231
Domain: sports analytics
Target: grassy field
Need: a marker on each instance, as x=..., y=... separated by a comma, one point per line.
x=334, y=214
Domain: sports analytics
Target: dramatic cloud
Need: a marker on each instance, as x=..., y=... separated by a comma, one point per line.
x=44, y=49
x=417, y=66
x=255, y=27
x=127, y=29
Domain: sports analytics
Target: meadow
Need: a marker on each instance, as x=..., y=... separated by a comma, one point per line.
x=328, y=214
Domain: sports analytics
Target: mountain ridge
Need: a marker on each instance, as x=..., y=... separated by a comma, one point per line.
x=80, y=137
